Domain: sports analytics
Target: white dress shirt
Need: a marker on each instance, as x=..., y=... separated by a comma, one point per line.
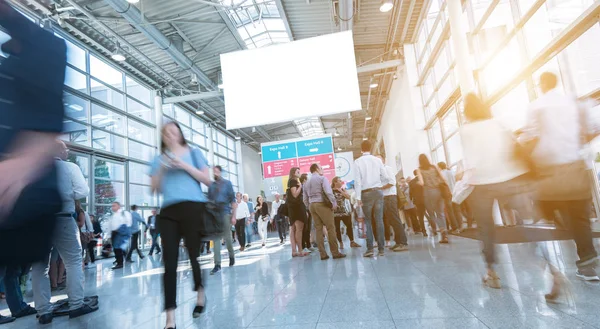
x=392, y=180
x=242, y=211
x=119, y=218
x=275, y=207
x=556, y=119
x=370, y=173
x=71, y=183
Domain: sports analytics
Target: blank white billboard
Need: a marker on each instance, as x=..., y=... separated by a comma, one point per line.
x=306, y=78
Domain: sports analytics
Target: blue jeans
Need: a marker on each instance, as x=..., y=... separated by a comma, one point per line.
x=249, y=232
x=390, y=205
x=12, y=287
x=373, y=209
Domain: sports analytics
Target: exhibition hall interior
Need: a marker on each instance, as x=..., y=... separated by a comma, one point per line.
x=313, y=164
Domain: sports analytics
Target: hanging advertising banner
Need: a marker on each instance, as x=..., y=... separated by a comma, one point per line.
x=279, y=157
x=344, y=168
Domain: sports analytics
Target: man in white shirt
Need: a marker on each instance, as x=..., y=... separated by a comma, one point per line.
x=370, y=178
x=242, y=213
x=559, y=122
x=120, y=225
x=72, y=186
x=391, y=216
x=275, y=205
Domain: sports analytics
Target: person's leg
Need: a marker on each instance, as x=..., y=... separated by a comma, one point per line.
x=217, y=251
x=338, y=232
x=318, y=221
x=391, y=212
x=326, y=215
x=386, y=228
x=293, y=239
x=481, y=203
x=229, y=238
x=368, y=205
x=349, y=228
x=449, y=212
x=378, y=215
x=457, y=215
x=171, y=236
x=68, y=244
x=92, y=251
x=420, y=209
x=576, y=216
x=132, y=244
x=12, y=289
x=40, y=284
x=240, y=227
x=299, y=231
x=249, y=231
x=306, y=233
x=280, y=228
x=374, y=226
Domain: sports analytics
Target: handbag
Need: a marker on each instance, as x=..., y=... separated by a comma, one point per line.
x=326, y=200
x=462, y=190
x=211, y=220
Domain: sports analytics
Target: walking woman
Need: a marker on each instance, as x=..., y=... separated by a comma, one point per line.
x=431, y=178
x=262, y=209
x=178, y=173
x=490, y=166
x=306, y=240
x=342, y=213
x=296, y=212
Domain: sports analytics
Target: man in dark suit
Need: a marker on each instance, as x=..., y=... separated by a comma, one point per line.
x=418, y=198
x=152, y=220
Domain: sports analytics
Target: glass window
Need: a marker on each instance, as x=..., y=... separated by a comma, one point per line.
x=141, y=151
x=446, y=88
x=221, y=138
x=580, y=62
x=106, y=73
x=198, y=126
x=139, y=110
x=108, y=95
x=75, y=80
x=82, y=161
x=107, y=192
x=198, y=139
x=231, y=155
x=450, y=122
x=75, y=132
x=441, y=64
x=139, y=92
x=107, y=119
x=503, y=67
x=103, y=140
x=168, y=110
x=76, y=107
x=454, y=146
x=233, y=168
x=187, y=133
x=139, y=173
x=435, y=134
x=438, y=155
x=182, y=115
x=140, y=131
x=511, y=109
x=428, y=87
x=479, y=8
x=76, y=56
x=141, y=195
x=109, y=170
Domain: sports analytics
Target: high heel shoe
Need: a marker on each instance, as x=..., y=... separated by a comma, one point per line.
x=199, y=309
x=170, y=327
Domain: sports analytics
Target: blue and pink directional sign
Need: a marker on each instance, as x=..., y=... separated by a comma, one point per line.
x=279, y=157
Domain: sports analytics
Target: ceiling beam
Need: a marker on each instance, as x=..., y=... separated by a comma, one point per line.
x=379, y=66
x=192, y=97
x=283, y=15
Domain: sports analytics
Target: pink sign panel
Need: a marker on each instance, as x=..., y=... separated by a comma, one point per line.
x=325, y=160
x=278, y=168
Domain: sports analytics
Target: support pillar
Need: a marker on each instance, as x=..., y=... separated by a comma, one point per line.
x=458, y=37
x=158, y=118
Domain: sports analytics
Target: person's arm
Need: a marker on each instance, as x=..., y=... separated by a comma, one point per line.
x=444, y=178
x=391, y=178
x=344, y=194
x=305, y=197
x=80, y=186
x=80, y=219
x=296, y=190
x=358, y=183
x=329, y=192
x=157, y=172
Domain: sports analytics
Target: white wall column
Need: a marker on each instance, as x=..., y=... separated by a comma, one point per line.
x=458, y=37
x=211, y=146
x=240, y=167
x=158, y=118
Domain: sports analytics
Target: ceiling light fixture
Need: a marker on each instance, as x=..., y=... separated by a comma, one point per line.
x=339, y=148
x=200, y=112
x=133, y=1
x=118, y=54
x=386, y=5
x=336, y=133
x=367, y=118
x=350, y=142
x=365, y=138
x=238, y=138
x=373, y=85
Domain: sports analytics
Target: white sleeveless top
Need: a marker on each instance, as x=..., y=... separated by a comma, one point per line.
x=488, y=150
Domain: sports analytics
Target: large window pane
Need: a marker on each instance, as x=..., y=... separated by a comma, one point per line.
x=511, y=109
x=479, y=8
x=140, y=132
x=76, y=56
x=450, y=122
x=140, y=151
x=168, y=110
x=108, y=142
x=139, y=110
x=139, y=92
x=441, y=64
x=182, y=115
x=580, y=62
x=198, y=139
x=104, y=169
x=435, y=134
x=455, y=152
x=75, y=80
x=198, y=126
x=446, y=88
x=75, y=132
x=106, y=94
x=107, y=119
x=503, y=67
x=106, y=73
x=139, y=173
x=438, y=155
x=76, y=107
x=107, y=192
x=140, y=195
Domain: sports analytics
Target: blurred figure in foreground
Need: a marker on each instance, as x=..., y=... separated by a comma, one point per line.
x=490, y=166
x=120, y=226
x=558, y=126
x=31, y=92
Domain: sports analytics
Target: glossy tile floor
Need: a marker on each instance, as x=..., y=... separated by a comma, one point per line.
x=431, y=286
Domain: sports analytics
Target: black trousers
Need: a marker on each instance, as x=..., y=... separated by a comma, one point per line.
x=411, y=217
x=280, y=222
x=119, y=256
x=240, y=230
x=134, y=245
x=91, y=247
x=421, y=215
x=306, y=233
x=176, y=222
x=349, y=229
